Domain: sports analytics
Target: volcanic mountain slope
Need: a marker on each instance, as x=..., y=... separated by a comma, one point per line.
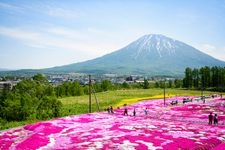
x=149, y=55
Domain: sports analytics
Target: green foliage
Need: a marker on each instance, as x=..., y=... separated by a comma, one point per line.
x=48, y=108
x=170, y=84
x=69, y=89
x=187, y=81
x=145, y=84
x=177, y=83
x=125, y=85
x=28, y=100
x=40, y=78
x=106, y=85
x=156, y=84
x=212, y=78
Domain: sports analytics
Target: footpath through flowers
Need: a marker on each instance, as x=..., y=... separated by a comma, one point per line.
x=179, y=126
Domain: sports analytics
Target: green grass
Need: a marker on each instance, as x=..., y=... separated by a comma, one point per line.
x=6, y=125
x=79, y=104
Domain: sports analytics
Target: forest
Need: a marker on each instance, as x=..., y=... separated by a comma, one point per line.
x=205, y=78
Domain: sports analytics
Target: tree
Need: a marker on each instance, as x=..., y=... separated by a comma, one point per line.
x=106, y=85
x=49, y=107
x=205, y=77
x=187, y=81
x=125, y=85
x=195, y=77
x=170, y=84
x=177, y=83
x=76, y=89
x=146, y=84
x=156, y=84
x=30, y=99
x=40, y=78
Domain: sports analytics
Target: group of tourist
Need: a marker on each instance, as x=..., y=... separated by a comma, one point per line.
x=213, y=119
x=110, y=110
x=125, y=113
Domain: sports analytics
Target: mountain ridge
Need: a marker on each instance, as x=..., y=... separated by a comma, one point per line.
x=152, y=54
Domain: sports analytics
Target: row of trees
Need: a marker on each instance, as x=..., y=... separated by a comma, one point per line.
x=212, y=78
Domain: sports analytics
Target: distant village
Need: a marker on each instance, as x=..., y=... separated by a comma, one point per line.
x=83, y=79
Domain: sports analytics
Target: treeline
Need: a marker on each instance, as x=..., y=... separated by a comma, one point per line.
x=210, y=78
x=76, y=89
x=30, y=99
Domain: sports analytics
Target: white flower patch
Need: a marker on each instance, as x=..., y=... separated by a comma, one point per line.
x=50, y=144
x=98, y=144
x=222, y=131
x=160, y=130
x=221, y=138
x=149, y=145
x=166, y=142
x=61, y=142
x=198, y=143
x=159, y=138
x=127, y=127
x=185, y=134
x=86, y=134
x=200, y=134
x=151, y=127
x=195, y=139
x=16, y=133
x=127, y=145
x=84, y=143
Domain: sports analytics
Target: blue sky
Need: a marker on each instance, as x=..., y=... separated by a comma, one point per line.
x=47, y=33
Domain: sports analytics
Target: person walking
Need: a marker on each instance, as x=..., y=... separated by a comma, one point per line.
x=111, y=109
x=134, y=112
x=210, y=118
x=125, y=112
x=146, y=111
x=215, y=119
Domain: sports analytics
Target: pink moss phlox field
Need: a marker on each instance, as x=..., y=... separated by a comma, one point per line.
x=181, y=126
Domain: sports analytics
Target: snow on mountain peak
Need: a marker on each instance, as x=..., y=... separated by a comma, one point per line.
x=152, y=42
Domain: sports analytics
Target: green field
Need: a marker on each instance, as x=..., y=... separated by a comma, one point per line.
x=79, y=104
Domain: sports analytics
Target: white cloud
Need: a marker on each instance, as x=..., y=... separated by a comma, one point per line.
x=63, y=13
x=18, y=33
x=80, y=43
x=66, y=32
x=84, y=44
x=9, y=6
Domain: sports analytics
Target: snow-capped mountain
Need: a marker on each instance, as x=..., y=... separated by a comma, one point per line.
x=150, y=55
x=152, y=42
